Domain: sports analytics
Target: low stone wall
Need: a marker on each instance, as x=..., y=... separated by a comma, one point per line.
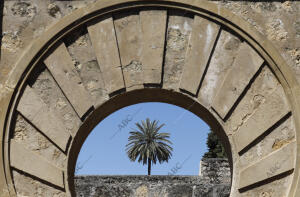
x=212, y=184
x=148, y=186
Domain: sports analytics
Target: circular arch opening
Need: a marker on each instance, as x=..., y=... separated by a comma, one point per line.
x=104, y=151
x=135, y=97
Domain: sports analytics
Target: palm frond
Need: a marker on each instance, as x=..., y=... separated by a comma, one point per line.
x=146, y=143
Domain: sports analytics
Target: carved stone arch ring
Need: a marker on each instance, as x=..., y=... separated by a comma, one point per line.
x=114, y=53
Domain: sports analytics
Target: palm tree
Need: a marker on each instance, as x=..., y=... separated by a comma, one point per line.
x=148, y=145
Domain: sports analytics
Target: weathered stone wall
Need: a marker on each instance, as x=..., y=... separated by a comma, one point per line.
x=279, y=21
x=25, y=20
x=144, y=186
x=215, y=170
x=214, y=182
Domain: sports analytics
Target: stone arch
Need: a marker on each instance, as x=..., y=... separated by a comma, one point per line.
x=109, y=55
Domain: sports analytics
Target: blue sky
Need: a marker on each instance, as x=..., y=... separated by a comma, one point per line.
x=103, y=152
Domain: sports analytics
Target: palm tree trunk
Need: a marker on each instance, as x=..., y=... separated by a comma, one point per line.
x=149, y=167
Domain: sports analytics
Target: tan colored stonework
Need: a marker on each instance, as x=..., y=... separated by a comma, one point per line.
x=200, y=47
x=153, y=26
x=95, y=61
x=142, y=191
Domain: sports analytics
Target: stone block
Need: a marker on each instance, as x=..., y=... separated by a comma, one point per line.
x=62, y=68
x=48, y=90
x=129, y=38
x=226, y=49
x=277, y=107
x=82, y=53
x=276, y=163
x=264, y=85
x=45, y=119
x=29, y=162
x=238, y=77
x=153, y=25
x=178, y=36
x=282, y=135
x=200, y=47
x=103, y=37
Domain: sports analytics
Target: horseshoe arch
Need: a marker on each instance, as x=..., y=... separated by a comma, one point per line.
x=115, y=53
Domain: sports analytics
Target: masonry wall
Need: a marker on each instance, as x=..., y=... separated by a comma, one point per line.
x=215, y=170
x=25, y=20
x=214, y=182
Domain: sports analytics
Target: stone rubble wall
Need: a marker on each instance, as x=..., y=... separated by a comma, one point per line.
x=214, y=182
x=215, y=170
